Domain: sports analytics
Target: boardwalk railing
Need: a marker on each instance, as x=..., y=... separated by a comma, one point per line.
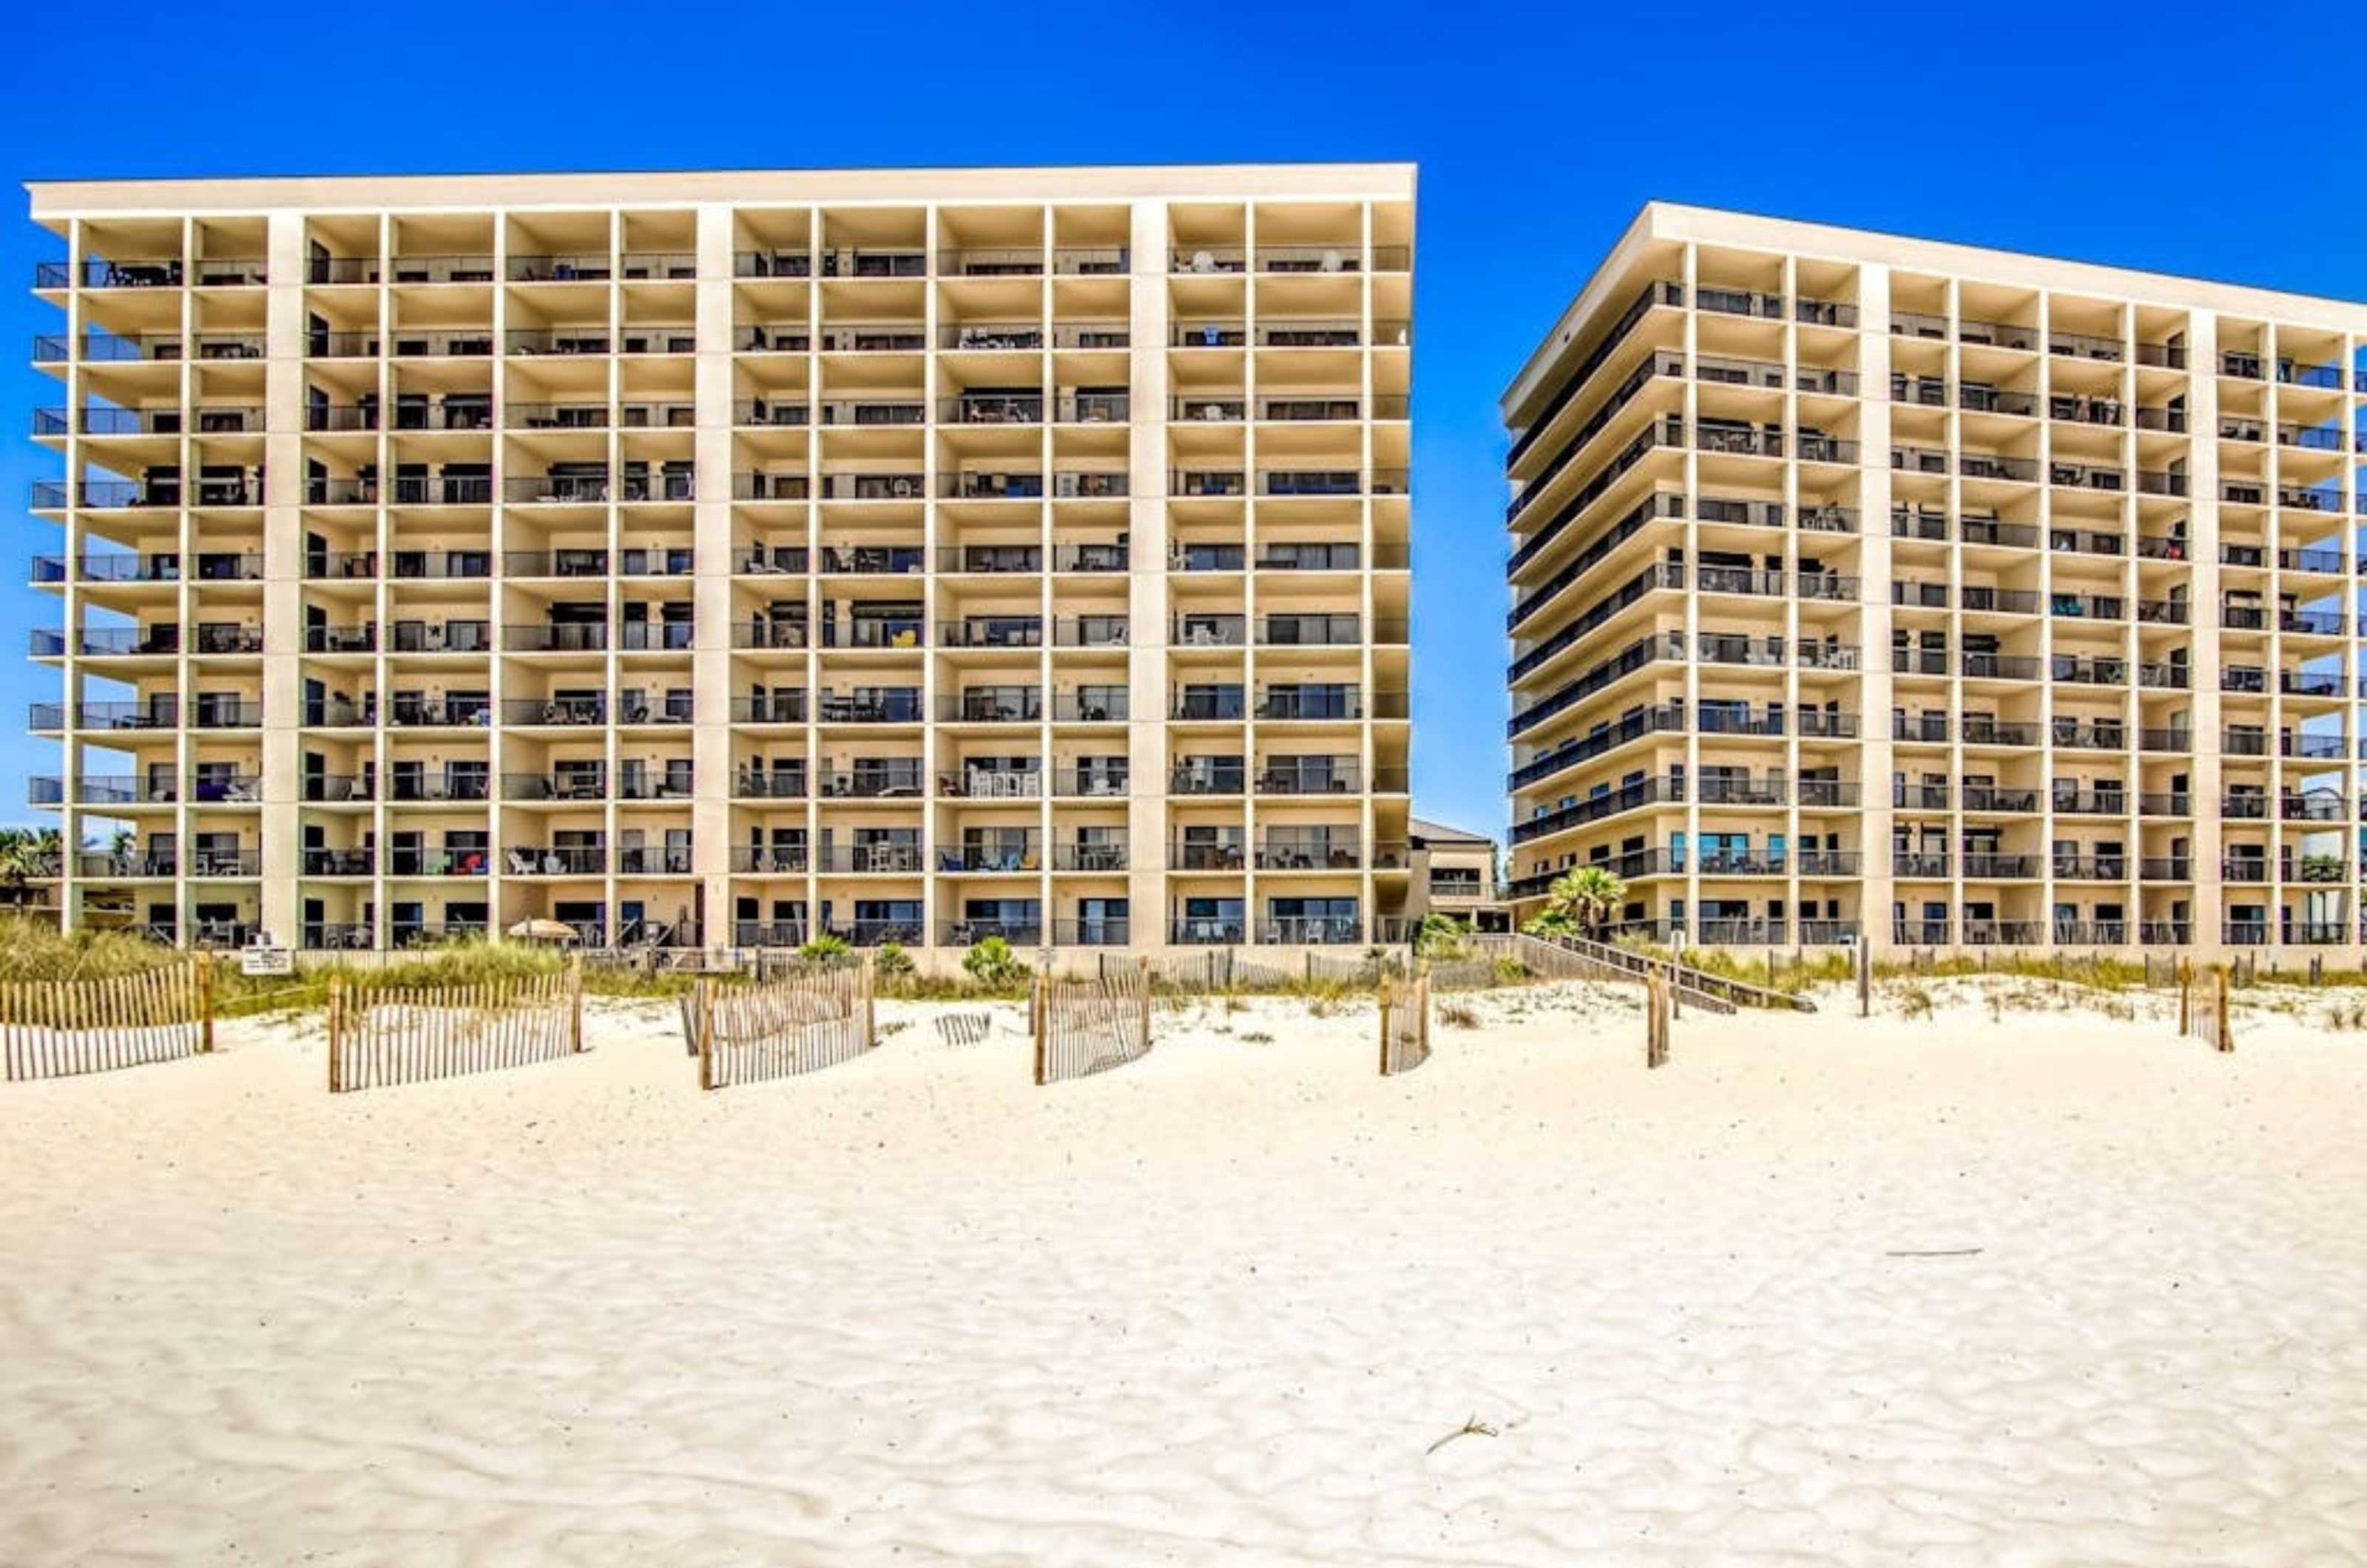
x=58, y=1029
x=400, y=1034
x=1405, y=1024
x=1694, y=988
x=2203, y=1006
x=1090, y=1026
x=775, y=1029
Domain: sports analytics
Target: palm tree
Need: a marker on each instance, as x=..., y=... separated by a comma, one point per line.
x=26, y=855
x=1586, y=897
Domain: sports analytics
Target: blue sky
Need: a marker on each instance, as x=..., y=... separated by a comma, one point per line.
x=2154, y=136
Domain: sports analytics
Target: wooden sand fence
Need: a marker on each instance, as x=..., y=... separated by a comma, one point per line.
x=2203, y=1006
x=1089, y=1026
x=1176, y=977
x=60, y=1029
x=400, y=1034
x=1405, y=1024
x=778, y=1028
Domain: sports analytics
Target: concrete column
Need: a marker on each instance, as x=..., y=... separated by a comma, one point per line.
x=2210, y=905
x=711, y=759
x=1876, y=755
x=1147, y=604
x=283, y=576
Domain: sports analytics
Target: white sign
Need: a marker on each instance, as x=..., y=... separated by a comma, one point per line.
x=266, y=960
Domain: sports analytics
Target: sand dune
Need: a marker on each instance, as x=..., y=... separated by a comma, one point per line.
x=2022, y=1290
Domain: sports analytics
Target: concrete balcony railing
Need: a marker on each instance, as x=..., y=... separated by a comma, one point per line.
x=776, y=860
x=555, y=859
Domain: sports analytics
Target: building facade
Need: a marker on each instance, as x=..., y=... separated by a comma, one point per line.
x=732, y=558
x=1868, y=588
x=1454, y=874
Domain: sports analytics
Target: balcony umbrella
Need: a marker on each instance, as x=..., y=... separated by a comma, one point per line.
x=538, y=930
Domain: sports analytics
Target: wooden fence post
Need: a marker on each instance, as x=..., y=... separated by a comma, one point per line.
x=1421, y=1000
x=1038, y=1021
x=1142, y=984
x=703, y=1012
x=1384, y=1026
x=2185, y=996
x=206, y=1003
x=575, y=1003
x=1655, y=1015
x=2219, y=1001
x=1864, y=959
x=870, y=1004
x=336, y=1026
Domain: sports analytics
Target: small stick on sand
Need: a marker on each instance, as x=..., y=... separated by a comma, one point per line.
x=1939, y=1252
x=1474, y=1427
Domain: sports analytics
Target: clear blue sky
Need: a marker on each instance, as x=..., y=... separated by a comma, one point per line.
x=2153, y=135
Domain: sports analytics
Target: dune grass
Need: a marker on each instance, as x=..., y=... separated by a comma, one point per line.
x=33, y=951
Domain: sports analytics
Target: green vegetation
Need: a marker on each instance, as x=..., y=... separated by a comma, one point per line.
x=824, y=949
x=2098, y=973
x=891, y=966
x=1440, y=938
x=1580, y=902
x=36, y=951
x=992, y=964
x=26, y=855
x=33, y=951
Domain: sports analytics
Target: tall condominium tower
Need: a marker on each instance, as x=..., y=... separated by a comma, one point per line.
x=705, y=558
x=1868, y=588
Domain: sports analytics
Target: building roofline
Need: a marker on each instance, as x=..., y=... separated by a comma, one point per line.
x=1664, y=221
x=250, y=194
x=1419, y=828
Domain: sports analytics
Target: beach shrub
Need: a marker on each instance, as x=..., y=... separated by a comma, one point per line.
x=824, y=949
x=1511, y=971
x=1459, y=1015
x=891, y=964
x=1440, y=938
x=1551, y=922
x=33, y=950
x=992, y=964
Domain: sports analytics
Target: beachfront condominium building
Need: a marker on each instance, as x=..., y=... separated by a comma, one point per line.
x=715, y=558
x=1866, y=588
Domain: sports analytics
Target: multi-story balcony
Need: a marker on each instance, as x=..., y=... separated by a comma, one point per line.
x=776, y=860
x=885, y=857
x=507, y=488
x=556, y=859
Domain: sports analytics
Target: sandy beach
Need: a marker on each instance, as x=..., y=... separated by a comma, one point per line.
x=2037, y=1288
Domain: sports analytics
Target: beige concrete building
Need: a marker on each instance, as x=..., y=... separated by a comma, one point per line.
x=1871, y=588
x=1455, y=873
x=712, y=558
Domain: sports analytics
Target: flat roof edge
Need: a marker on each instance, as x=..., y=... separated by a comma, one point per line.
x=239, y=193
x=1675, y=221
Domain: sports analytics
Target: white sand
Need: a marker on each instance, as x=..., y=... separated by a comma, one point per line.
x=1215, y=1307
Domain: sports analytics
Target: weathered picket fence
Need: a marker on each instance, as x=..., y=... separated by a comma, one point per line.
x=397, y=1034
x=2203, y=1006
x=1405, y=1024
x=965, y=1028
x=1089, y=1026
x=750, y=1033
x=59, y=1028
x=1207, y=973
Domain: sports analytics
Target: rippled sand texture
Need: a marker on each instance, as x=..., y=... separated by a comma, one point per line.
x=1221, y=1306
